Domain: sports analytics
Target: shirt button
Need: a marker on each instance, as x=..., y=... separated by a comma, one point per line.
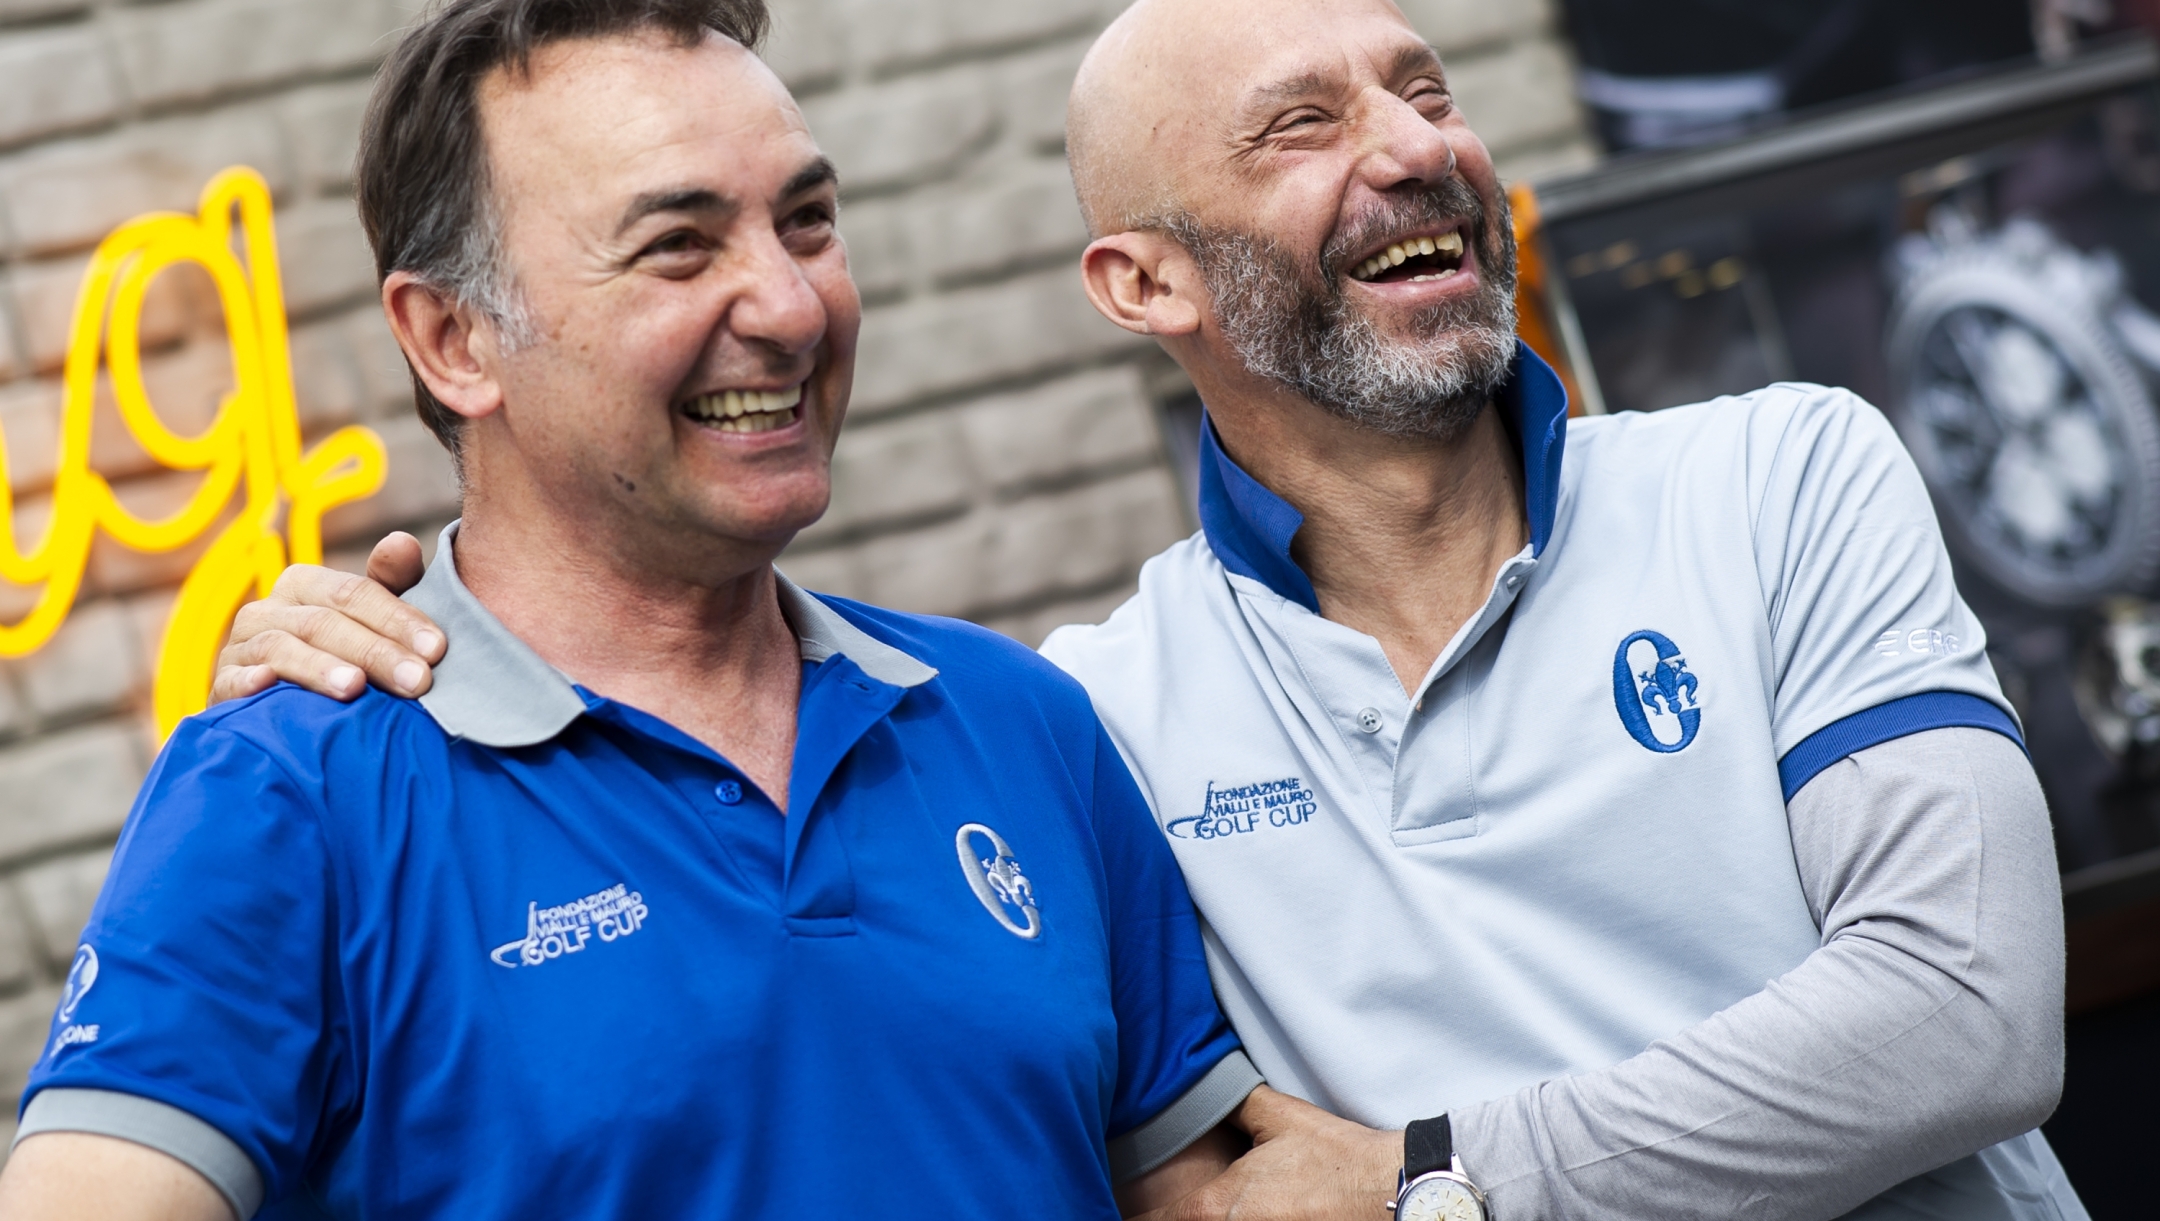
x=1514, y=581
x=1368, y=719
x=729, y=792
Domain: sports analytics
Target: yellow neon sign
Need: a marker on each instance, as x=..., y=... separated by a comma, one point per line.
x=254, y=440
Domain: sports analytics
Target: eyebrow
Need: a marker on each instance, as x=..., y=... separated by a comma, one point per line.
x=681, y=199
x=817, y=173
x=1305, y=84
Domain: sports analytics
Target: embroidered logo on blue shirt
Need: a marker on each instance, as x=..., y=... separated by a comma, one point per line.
x=82, y=973
x=551, y=932
x=1655, y=692
x=997, y=881
x=1245, y=808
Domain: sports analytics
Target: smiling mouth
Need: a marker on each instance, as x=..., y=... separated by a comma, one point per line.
x=746, y=410
x=1414, y=260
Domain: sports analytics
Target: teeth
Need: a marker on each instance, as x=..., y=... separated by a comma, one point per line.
x=1447, y=244
x=746, y=410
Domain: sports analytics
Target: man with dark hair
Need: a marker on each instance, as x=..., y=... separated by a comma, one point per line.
x=683, y=893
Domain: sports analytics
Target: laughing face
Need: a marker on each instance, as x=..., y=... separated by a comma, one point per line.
x=1349, y=229
x=671, y=225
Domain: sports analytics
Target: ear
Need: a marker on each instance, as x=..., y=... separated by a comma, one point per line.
x=1144, y=282
x=449, y=347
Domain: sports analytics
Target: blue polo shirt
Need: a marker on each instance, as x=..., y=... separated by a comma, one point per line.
x=521, y=951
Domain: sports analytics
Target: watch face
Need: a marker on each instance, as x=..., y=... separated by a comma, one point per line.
x=1435, y=1198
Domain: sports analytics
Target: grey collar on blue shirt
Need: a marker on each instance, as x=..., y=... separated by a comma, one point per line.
x=491, y=688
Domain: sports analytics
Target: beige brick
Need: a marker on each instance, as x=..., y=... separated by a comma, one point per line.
x=25, y=1023
x=1092, y=421
x=1080, y=539
x=835, y=571
x=1032, y=90
x=91, y=665
x=951, y=343
x=322, y=128
x=30, y=424
x=180, y=301
x=1517, y=96
x=326, y=382
x=911, y=468
x=202, y=48
x=68, y=788
x=808, y=44
x=891, y=32
x=1457, y=25
x=147, y=616
x=934, y=571
x=23, y=10
x=60, y=895
x=57, y=79
x=879, y=254
x=19, y=958
x=1031, y=627
x=68, y=196
x=324, y=256
x=903, y=131
x=421, y=485
x=971, y=230
x=15, y=715
x=13, y=361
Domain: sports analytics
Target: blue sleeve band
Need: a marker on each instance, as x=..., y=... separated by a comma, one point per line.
x=1886, y=722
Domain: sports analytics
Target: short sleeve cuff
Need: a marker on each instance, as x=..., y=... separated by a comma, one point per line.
x=1191, y=1117
x=153, y=1124
x=1888, y=722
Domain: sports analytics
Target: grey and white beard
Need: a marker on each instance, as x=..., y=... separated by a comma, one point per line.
x=1296, y=326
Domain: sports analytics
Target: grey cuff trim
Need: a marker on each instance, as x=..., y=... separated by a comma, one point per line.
x=155, y=1125
x=1186, y=1120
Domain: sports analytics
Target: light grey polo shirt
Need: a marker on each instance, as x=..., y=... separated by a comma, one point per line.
x=1569, y=840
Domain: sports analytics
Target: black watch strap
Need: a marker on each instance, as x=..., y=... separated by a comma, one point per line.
x=1428, y=1145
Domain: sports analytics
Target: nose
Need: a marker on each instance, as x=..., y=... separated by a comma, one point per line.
x=1403, y=147
x=776, y=308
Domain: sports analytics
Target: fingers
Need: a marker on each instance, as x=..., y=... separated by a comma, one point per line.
x=395, y=563
x=364, y=602
x=332, y=633
x=280, y=653
x=237, y=682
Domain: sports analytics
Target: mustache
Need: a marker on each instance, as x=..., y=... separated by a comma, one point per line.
x=1430, y=207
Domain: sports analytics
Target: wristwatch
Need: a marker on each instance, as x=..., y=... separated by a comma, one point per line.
x=1433, y=1186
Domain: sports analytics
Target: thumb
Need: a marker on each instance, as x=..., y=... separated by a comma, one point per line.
x=395, y=564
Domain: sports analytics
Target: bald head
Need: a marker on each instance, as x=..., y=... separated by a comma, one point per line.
x=1174, y=90
x=1284, y=194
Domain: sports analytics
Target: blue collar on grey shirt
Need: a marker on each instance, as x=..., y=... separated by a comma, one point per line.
x=1250, y=528
x=492, y=689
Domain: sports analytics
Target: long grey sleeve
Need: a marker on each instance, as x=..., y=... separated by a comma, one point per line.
x=1926, y=1027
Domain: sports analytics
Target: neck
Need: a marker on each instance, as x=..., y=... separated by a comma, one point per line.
x=710, y=654
x=1402, y=536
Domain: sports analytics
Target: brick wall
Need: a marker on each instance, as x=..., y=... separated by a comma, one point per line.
x=1004, y=458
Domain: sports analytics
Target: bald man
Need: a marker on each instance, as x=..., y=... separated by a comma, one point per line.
x=1533, y=912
